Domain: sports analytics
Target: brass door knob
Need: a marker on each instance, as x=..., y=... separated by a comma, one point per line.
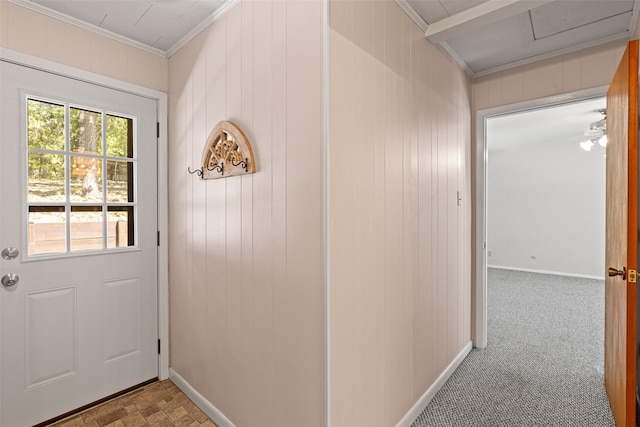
x=615, y=272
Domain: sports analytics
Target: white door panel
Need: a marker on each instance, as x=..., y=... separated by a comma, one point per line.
x=80, y=324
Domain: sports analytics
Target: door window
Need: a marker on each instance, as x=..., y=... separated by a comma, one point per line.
x=80, y=178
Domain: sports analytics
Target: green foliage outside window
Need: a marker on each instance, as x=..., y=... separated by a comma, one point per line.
x=46, y=132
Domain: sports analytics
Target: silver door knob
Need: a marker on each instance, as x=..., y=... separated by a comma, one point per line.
x=10, y=253
x=10, y=279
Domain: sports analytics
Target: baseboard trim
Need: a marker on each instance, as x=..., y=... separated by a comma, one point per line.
x=207, y=407
x=555, y=273
x=422, y=403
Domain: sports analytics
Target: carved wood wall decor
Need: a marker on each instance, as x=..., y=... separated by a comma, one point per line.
x=227, y=152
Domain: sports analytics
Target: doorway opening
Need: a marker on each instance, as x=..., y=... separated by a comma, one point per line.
x=545, y=198
x=480, y=178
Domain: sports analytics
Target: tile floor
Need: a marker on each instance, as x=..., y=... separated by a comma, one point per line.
x=155, y=405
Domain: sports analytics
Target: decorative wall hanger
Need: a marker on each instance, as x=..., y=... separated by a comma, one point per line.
x=226, y=153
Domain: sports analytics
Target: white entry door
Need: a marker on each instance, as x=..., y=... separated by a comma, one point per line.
x=78, y=202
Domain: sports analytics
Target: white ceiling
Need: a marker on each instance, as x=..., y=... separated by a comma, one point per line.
x=563, y=124
x=488, y=36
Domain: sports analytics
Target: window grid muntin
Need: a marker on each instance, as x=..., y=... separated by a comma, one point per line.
x=68, y=204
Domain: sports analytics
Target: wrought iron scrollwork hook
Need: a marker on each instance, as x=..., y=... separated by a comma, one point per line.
x=198, y=171
x=244, y=163
x=217, y=167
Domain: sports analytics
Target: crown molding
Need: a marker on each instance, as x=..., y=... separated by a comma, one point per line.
x=217, y=14
x=36, y=7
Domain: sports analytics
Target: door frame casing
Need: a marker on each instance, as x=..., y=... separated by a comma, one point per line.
x=161, y=98
x=479, y=208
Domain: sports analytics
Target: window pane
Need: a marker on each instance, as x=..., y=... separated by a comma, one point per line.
x=86, y=228
x=120, y=231
x=85, y=131
x=45, y=123
x=86, y=179
x=47, y=230
x=119, y=181
x=119, y=136
x=46, y=177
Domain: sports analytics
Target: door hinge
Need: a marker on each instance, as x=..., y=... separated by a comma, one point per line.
x=633, y=275
x=158, y=129
x=158, y=346
x=158, y=238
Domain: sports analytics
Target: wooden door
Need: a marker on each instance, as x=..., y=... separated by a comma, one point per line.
x=79, y=204
x=621, y=238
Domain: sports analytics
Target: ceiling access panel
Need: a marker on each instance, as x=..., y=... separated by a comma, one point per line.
x=512, y=41
x=560, y=16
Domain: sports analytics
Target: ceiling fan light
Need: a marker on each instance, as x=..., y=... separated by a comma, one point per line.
x=586, y=145
x=603, y=141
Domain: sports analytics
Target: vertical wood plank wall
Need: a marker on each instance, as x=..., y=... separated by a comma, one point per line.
x=399, y=251
x=583, y=69
x=26, y=31
x=246, y=253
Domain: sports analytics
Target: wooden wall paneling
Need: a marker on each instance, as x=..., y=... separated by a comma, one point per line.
x=452, y=228
x=260, y=319
x=108, y=56
x=3, y=24
x=571, y=72
x=441, y=221
x=436, y=327
x=234, y=379
x=407, y=121
x=365, y=378
x=599, y=63
x=423, y=337
x=304, y=218
x=379, y=214
x=358, y=236
x=407, y=201
x=341, y=230
x=198, y=134
x=59, y=34
x=29, y=39
x=464, y=219
x=177, y=220
x=584, y=69
x=393, y=213
x=542, y=78
x=188, y=203
x=216, y=228
x=247, y=214
x=263, y=328
x=279, y=211
x=512, y=87
x=412, y=297
x=366, y=388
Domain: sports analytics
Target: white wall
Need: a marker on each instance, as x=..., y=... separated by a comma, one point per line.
x=547, y=202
